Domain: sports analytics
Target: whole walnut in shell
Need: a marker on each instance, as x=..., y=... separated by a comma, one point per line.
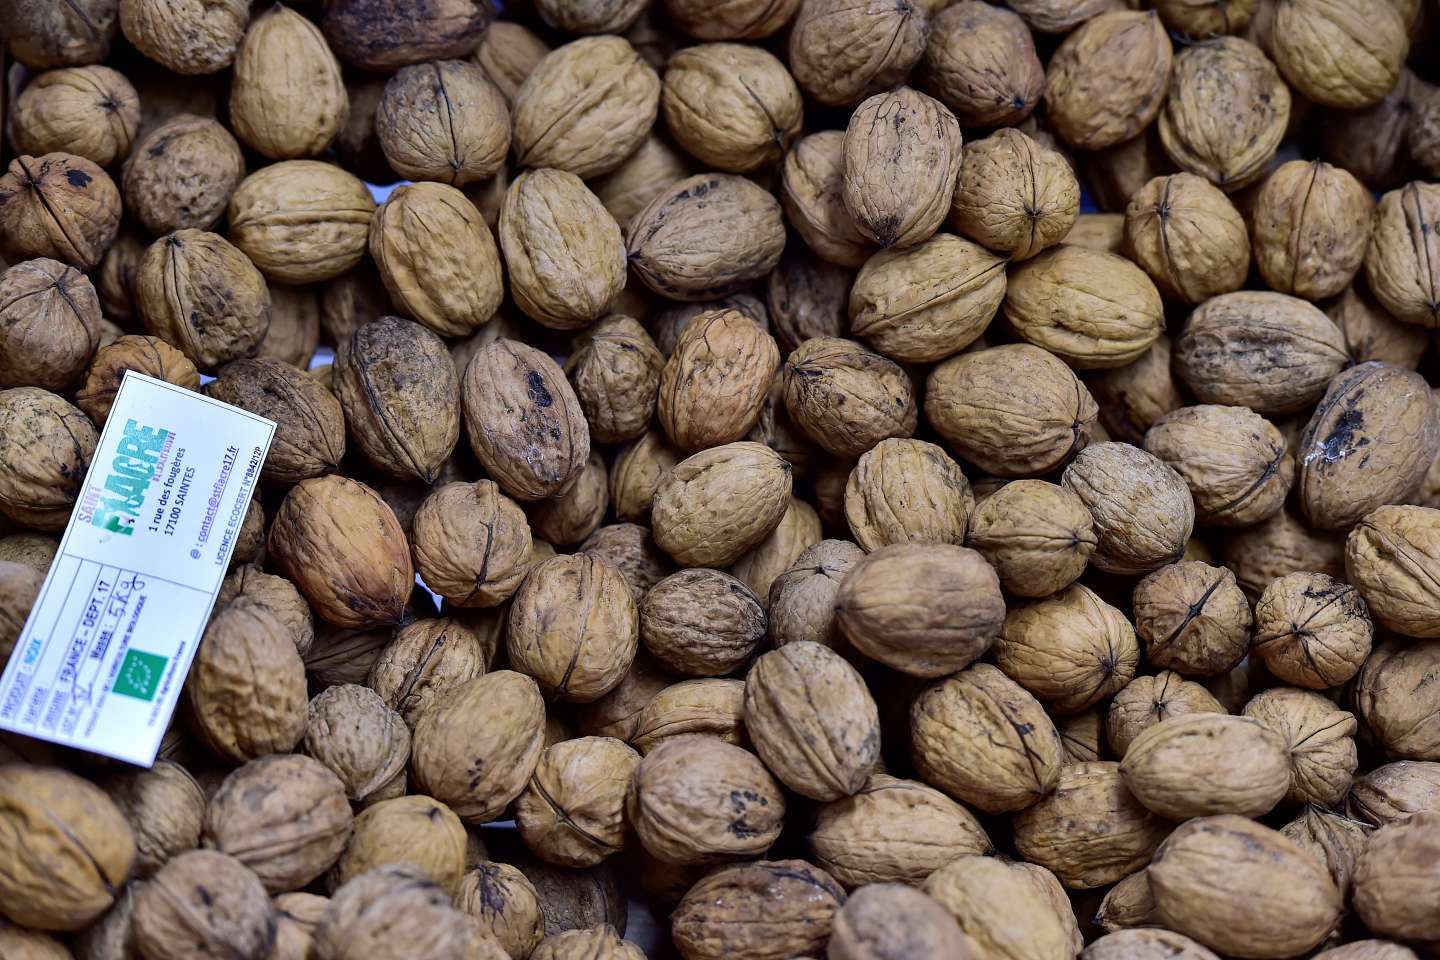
x=1142, y=510
x=1038, y=536
x=767, y=910
x=1372, y=333
x=443, y=120
x=902, y=157
x=360, y=740
x=23, y=944
x=1332, y=839
x=1014, y=195
x=92, y=112
x=1319, y=738
x=49, y=325
x=1396, y=893
x=1012, y=410
x=573, y=810
x=1340, y=53
x=823, y=373
x=709, y=707
x=181, y=174
x=600, y=943
x=19, y=587
x=506, y=905
x=812, y=192
x=1237, y=465
x=1312, y=630
x=380, y=35
x=1393, y=557
x=203, y=903
x=1394, y=791
x=841, y=53
x=907, y=491
x=1108, y=79
x=59, y=206
x=67, y=848
x=1200, y=764
x=891, y=921
x=1146, y=701
x=567, y=520
x=1401, y=262
x=416, y=830
x=1200, y=18
x=165, y=808
x=428, y=658
x=1193, y=618
x=280, y=115
x=615, y=369
x=730, y=19
x=641, y=178
x=701, y=622
x=980, y=61
x=397, y=911
x=1070, y=650
x=1133, y=397
x=186, y=37
x=988, y=898
x=203, y=295
x=1312, y=228
x=734, y=107
x=276, y=593
x=1188, y=237
x=980, y=737
x=471, y=544
x=44, y=455
x=1393, y=697
x=41, y=35
x=714, y=383
x=714, y=506
x=629, y=548
x=301, y=221
x=309, y=436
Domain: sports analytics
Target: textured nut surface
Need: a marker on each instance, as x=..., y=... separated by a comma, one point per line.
x=90, y=111
x=1340, y=53
x=1393, y=556
x=812, y=191
x=49, y=325
x=284, y=114
x=1146, y=701
x=208, y=901
x=1007, y=909
x=165, y=808
x=1142, y=510
x=714, y=506
x=471, y=544
x=1188, y=237
x=716, y=379
x=890, y=921
x=769, y=910
x=822, y=375
x=1395, y=888
x=1312, y=228
x=395, y=910
x=506, y=906
x=712, y=707
x=310, y=426
x=1319, y=738
x=1401, y=262
x=181, y=174
x=732, y=106
x=1109, y=78
x=1392, y=696
x=907, y=491
x=416, y=830
x=841, y=52
x=573, y=810
x=1014, y=195
x=1312, y=630
x=1201, y=764
x=59, y=206
x=1237, y=465
x=187, y=37
x=443, y=120
x=380, y=35
x=1193, y=618
x=301, y=221
x=1070, y=650
x=428, y=658
x=980, y=61
x=701, y=622
x=360, y=740
x=1038, y=536
x=45, y=450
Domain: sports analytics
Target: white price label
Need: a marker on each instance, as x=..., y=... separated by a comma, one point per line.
x=102, y=660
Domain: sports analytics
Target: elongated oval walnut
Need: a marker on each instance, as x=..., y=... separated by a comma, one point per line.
x=309, y=436
x=822, y=374
x=616, y=369
x=716, y=380
x=981, y=62
x=274, y=112
x=730, y=19
x=380, y=35
x=988, y=897
x=1143, y=511
x=1395, y=891
x=767, y=910
x=301, y=221
x=812, y=191
x=1369, y=40
x=1109, y=78
x=710, y=707
x=1207, y=763
x=1403, y=262
x=1312, y=228
x=907, y=491
x=49, y=325
x=701, y=622
x=842, y=53
x=713, y=507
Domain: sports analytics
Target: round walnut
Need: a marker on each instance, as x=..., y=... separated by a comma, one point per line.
x=902, y=158
x=1340, y=53
x=715, y=382
x=1396, y=893
x=279, y=115
x=49, y=325
x=712, y=707
x=812, y=720
x=398, y=911
x=1312, y=630
x=1109, y=78
x=44, y=459
x=1147, y=701
x=1207, y=763
x=1188, y=237
x=812, y=192
x=567, y=520
x=572, y=813
x=1070, y=650
x=165, y=808
x=734, y=107
x=1394, y=791
x=586, y=107
x=1401, y=262
x=443, y=120
x=1014, y=195
x=416, y=830
x=1013, y=410
x=92, y=112
x=1312, y=228
x=301, y=221
x=927, y=302
x=40, y=34
x=309, y=436
x=67, y=848
x=1007, y=909
x=471, y=544
x=701, y=623
x=59, y=206
x=1145, y=944
x=1142, y=510
x=1094, y=310
x=203, y=902
x=980, y=62
x=1393, y=696
x=802, y=599
x=1319, y=739
x=506, y=906
x=706, y=236
x=841, y=53
x=380, y=35
x=574, y=627
x=615, y=369
x=181, y=175
x=982, y=738
x=186, y=38
x=892, y=921
x=429, y=658
x=1275, y=899
x=825, y=372
x=713, y=507
x=1037, y=536
x=766, y=910
x=907, y=491
x=360, y=740
x=1236, y=464
x=1393, y=557
x=1193, y=618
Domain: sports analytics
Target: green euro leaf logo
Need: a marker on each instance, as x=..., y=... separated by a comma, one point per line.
x=140, y=675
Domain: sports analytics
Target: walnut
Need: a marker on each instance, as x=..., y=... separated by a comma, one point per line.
x=380, y=35
x=471, y=544
x=182, y=174
x=41, y=34
x=1142, y=944
x=184, y=36
x=506, y=906
x=276, y=593
x=1202, y=763
x=1142, y=510
x=443, y=120
x=734, y=107
x=1312, y=630
x=360, y=740
x=44, y=455
x=1312, y=228
x=1392, y=556
x=1392, y=697
x=1394, y=791
x=301, y=221
x=1070, y=650
x=1037, y=535
x=1395, y=891
x=1236, y=464
x=165, y=808
x=1340, y=53
x=812, y=191
x=802, y=599
x=59, y=206
x=600, y=943
x=573, y=810
x=892, y=921
x=842, y=53
x=907, y=491
x=616, y=370
x=310, y=427
x=1372, y=333
x=92, y=112
x=1188, y=237
x=824, y=372
x=429, y=658
x=715, y=381
x=629, y=548
x=641, y=178
x=981, y=62
x=713, y=507
x=279, y=115
x=49, y=325
x=396, y=910
x=1278, y=546
x=203, y=902
x=1400, y=264
x=989, y=897
x=1014, y=195
x=701, y=622
x=1109, y=78
x=567, y=520
x=294, y=333
x=1193, y=618
x=1146, y=701
x=416, y=830
x=1332, y=839
x=730, y=19
x=1319, y=738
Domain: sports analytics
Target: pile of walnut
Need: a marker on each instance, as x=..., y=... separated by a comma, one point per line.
x=846, y=547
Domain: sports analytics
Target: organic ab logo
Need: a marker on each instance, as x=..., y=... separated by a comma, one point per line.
x=140, y=675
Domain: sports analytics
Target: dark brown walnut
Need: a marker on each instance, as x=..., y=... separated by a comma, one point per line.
x=1401, y=262
x=278, y=594
x=1226, y=112
x=615, y=369
x=181, y=174
x=203, y=902
x=1070, y=650
x=524, y=421
x=567, y=520
x=45, y=450
x=701, y=623
x=617, y=714
x=1394, y=791
x=716, y=505
x=980, y=737
x=294, y=333
x=1312, y=228
x=573, y=627
x=186, y=38
x=907, y=491
x=443, y=120
x=1312, y=630
x=309, y=436
x=1201, y=764
x=697, y=799
x=1116, y=173
x=1319, y=738
x=642, y=177
x=1392, y=695
x=768, y=910
x=572, y=812
x=812, y=192
x=706, y=236
x=576, y=899
x=1372, y=333
x=1037, y=535
x=506, y=906
x=380, y=35
x=807, y=297
x=812, y=720
x=1332, y=839
x=301, y=221
x=1313, y=38
x=345, y=655
x=41, y=35
x=165, y=808
x=471, y=544
x=1237, y=465
x=927, y=302
x=1093, y=310
x=429, y=658
x=980, y=61
x=1014, y=195
x=892, y=921
x=1142, y=509
x=924, y=609
x=454, y=290
x=360, y=740
x=49, y=325
x=416, y=830
x=710, y=707
x=902, y=157
x=629, y=548
x=732, y=106
x=1188, y=237
x=586, y=107
x=396, y=911
x=1275, y=900
x=1393, y=557
x=599, y=943
x=822, y=374
x=279, y=115
x=19, y=586
x=1370, y=442
x=93, y=112
x=1202, y=18
x=59, y=206
x=841, y=52
x=716, y=379
x=342, y=546
x=1146, y=701
x=1109, y=78
x=1013, y=410
x=988, y=898
x=1128, y=904
x=1395, y=889
x=1192, y=618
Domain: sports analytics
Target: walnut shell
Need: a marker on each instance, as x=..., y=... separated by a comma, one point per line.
x=301, y=221
x=1400, y=264
x=297, y=915
x=1145, y=945
x=1193, y=618
x=280, y=115
x=767, y=910
x=380, y=35
x=1013, y=410
x=841, y=53
x=505, y=904
x=807, y=297
x=443, y=120
x=629, y=548
x=1312, y=228
x=40, y=34
x=1146, y=701
x=586, y=107
x=902, y=158
x=1142, y=510
x=1372, y=333
x=716, y=379
x=822, y=373
x=641, y=178
x=697, y=799
x=59, y=206
x=980, y=61
x=927, y=302
x=1394, y=791
x=1188, y=237
x=672, y=321
x=573, y=810
x=802, y=599
x=361, y=740
x=1014, y=195
x=394, y=911
x=471, y=544
x=1312, y=630
x=709, y=707
x=309, y=437
x=1201, y=764
x=464, y=757
x=1319, y=738
x=1108, y=79
x=1395, y=889
x=734, y=107
x=204, y=296
x=1236, y=464
x=590, y=943
x=1070, y=650
x=714, y=506
x=567, y=520
x=186, y=37
x=165, y=808
x=429, y=658
x=19, y=587
x=979, y=736
x=730, y=19
x=907, y=491
x=49, y=325
x=891, y=922
x=1332, y=839
x=1392, y=695
x=182, y=174
x=524, y=420
x=92, y=112
x=988, y=899
x=1133, y=397
x=706, y=236
x=1364, y=46
x=1274, y=899
x=276, y=593
x=44, y=455
x=1037, y=535
x=416, y=830
x=701, y=622
x=812, y=192
x=203, y=902
x=342, y=655
x=1128, y=904
x=507, y=53
x=23, y=944
x=1392, y=556
x=1368, y=950
x=615, y=369
x=294, y=333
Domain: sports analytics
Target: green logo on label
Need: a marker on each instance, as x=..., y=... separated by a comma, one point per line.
x=131, y=473
x=140, y=675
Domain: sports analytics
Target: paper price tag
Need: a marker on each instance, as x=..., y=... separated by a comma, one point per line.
x=103, y=657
